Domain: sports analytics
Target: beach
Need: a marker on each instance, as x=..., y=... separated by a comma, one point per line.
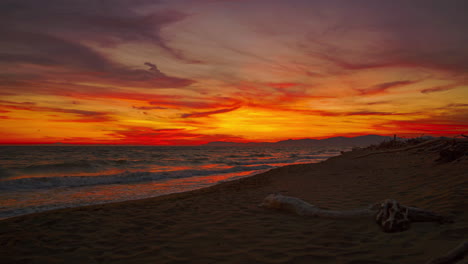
x=225, y=224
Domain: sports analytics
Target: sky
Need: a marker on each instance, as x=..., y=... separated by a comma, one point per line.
x=187, y=72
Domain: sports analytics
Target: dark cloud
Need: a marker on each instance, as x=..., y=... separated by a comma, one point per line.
x=384, y=87
x=195, y=103
x=72, y=60
x=457, y=105
x=148, y=107
x=416, y=34
x=378, y=102
x=46, y=50
x=52, y=34
x=149, y=136
x=439, y=88
x=153, y=68
x=431, y=34
x=208, y=113
x=106, y=22
x=369, y=113
x=83, y=115
x=152, y=78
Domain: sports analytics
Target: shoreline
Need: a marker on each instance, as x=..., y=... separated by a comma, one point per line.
x=163, y=187
x=223, y=223
x=39, y=184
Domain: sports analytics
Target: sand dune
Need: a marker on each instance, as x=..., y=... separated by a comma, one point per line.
x=223, y=224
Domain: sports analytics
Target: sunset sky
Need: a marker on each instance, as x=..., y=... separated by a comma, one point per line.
x=189, y=72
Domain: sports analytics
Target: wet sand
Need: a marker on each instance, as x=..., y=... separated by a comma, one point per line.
x=224, y=224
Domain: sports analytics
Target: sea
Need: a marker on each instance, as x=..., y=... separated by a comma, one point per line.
x=41, y=178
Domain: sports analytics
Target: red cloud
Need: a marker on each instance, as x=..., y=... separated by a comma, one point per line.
x=282, y=85
x=149, y=136
x=428, y=126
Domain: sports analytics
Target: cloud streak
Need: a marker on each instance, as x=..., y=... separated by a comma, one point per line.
x=209, y=113
x=84, y=116
x=148, y=136
x=441, y=88
x=384, y=87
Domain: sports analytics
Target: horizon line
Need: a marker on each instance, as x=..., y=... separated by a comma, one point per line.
x=200, y=144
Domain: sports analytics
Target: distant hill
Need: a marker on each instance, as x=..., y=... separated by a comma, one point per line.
x=359, y=141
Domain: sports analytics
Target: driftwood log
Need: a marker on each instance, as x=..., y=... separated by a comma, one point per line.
x=389, y=215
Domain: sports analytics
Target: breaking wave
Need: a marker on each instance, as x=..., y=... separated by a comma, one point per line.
x=121, y=178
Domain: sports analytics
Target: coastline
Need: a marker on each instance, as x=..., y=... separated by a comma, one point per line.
x=39, y=179
x=223, y=223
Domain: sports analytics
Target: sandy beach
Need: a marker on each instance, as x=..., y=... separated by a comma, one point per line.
x=224, y=224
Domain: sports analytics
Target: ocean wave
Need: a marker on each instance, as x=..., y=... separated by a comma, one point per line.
x=272, y=161
x=259, y=155
x=66, y=166
x=198, y=160
x=121, y=178
x=79, y=166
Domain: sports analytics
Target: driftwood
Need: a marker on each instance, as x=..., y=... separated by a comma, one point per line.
x=300, y=207
x=389, y=215
x=392, y=217
x=453, y=256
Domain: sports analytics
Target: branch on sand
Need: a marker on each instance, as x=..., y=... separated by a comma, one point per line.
x=389, y=215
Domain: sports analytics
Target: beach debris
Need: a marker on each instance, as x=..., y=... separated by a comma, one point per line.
x=389, y=215
x=392, y=217
x=457, y=254
x=303, y=208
